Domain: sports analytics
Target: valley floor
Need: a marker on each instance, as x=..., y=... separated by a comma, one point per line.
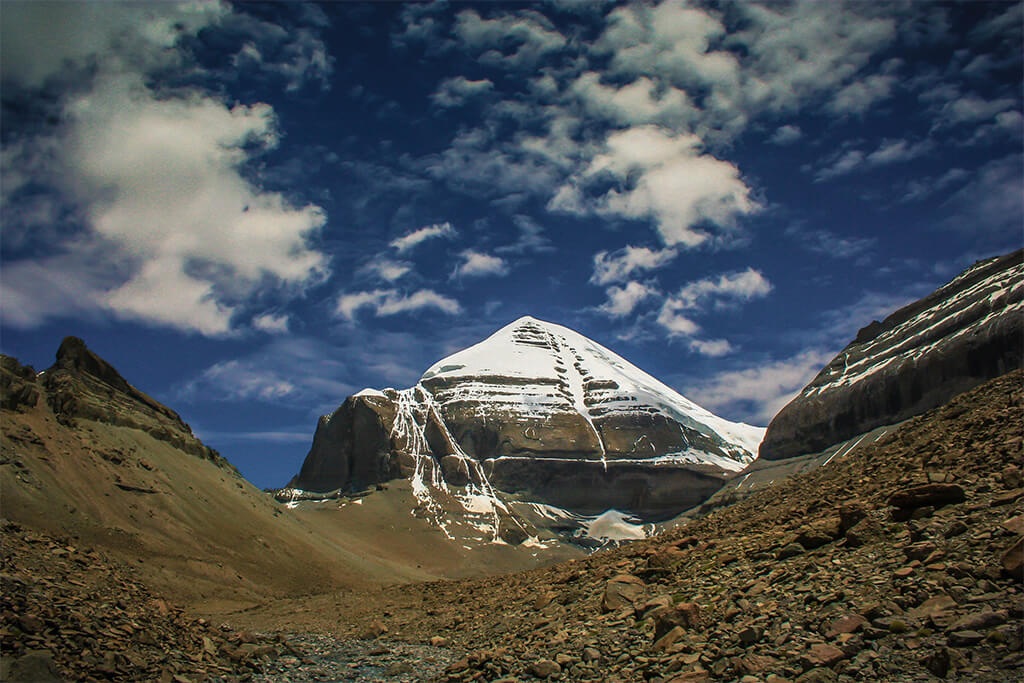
x=898, y=562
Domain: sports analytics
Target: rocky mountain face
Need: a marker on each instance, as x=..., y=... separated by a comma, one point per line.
x=964, y=333
x=539, y=412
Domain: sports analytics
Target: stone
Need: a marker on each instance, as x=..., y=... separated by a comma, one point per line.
x=1013, y=560
x=790, y=550
x=936, y=494
x=1011, y=477
x=438, y=641
x=669, y=639
x=955, y=528
x=690, y=677
x=1015, y=525
x=934, y=605
x=545, y=668
x=543, y=600
x=823, y=655
x=817, y=675
x=591, y=655
x=685, y=615
x=36, y=666
x=848, y=624
x=965, y=638
x=750, y=635
x=375, y=629
x=819, y=533
x=977, y=621
x=620, y=592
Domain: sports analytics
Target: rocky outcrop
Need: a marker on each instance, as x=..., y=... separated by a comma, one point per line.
x=540, y=412
x=964, y=333
x=81, y=385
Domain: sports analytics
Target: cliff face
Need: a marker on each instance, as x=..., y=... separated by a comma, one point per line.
x=952, y=340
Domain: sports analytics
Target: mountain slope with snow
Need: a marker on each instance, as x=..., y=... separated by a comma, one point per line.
x=968, y=331
x=539, y=413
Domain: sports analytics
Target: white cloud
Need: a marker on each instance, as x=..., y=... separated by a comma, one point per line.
x=786, y=135
x=156, y=178
x=888, y=152
x=761, y=391
x=408, y=242
x=386, y=269
x=454, y=92
x=893, y=151
x=271, y=322
x=636, y=103
x=713, y=348
x=619, y=265
x=677, y=325
x=478, y=264
x=513, y=41
x=666, y=178
x=722, y=291
x=623, y=300
x=531, y=237
x=973, y=109
x=386, y=302
x=240, y=381
x=845, y=163
x=859, y=96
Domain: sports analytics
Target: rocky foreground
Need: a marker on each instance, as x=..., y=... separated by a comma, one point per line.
x=67, y=612
x=900, y=562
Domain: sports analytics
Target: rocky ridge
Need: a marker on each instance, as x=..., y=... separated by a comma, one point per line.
x=968, y=331
x=538, y=412
x=902, y=561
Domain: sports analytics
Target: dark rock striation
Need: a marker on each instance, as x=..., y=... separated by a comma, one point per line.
x=961, y=335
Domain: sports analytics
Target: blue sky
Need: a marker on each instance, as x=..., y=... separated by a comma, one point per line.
x=254, y=211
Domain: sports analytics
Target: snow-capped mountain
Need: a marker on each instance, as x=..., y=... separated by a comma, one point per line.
x=536, y=413
x=966, y=332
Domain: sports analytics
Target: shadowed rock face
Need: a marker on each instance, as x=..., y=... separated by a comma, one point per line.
x=542, y=412
x=961, y=335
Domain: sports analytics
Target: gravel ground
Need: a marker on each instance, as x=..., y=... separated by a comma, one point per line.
x=325, y=658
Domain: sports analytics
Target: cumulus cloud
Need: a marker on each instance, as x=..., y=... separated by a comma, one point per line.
x=387, y=302
x=414, y=238
x=386, y=269
x=271, y=322
x=721, y=292
x=512, y=41
x=454, y=92
x=786, y=135
x=623, y=300
x=761, y=391
x=619, y=265
x=156, y=180
x=479, y=264
x=664, y=177
x=712, y=348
